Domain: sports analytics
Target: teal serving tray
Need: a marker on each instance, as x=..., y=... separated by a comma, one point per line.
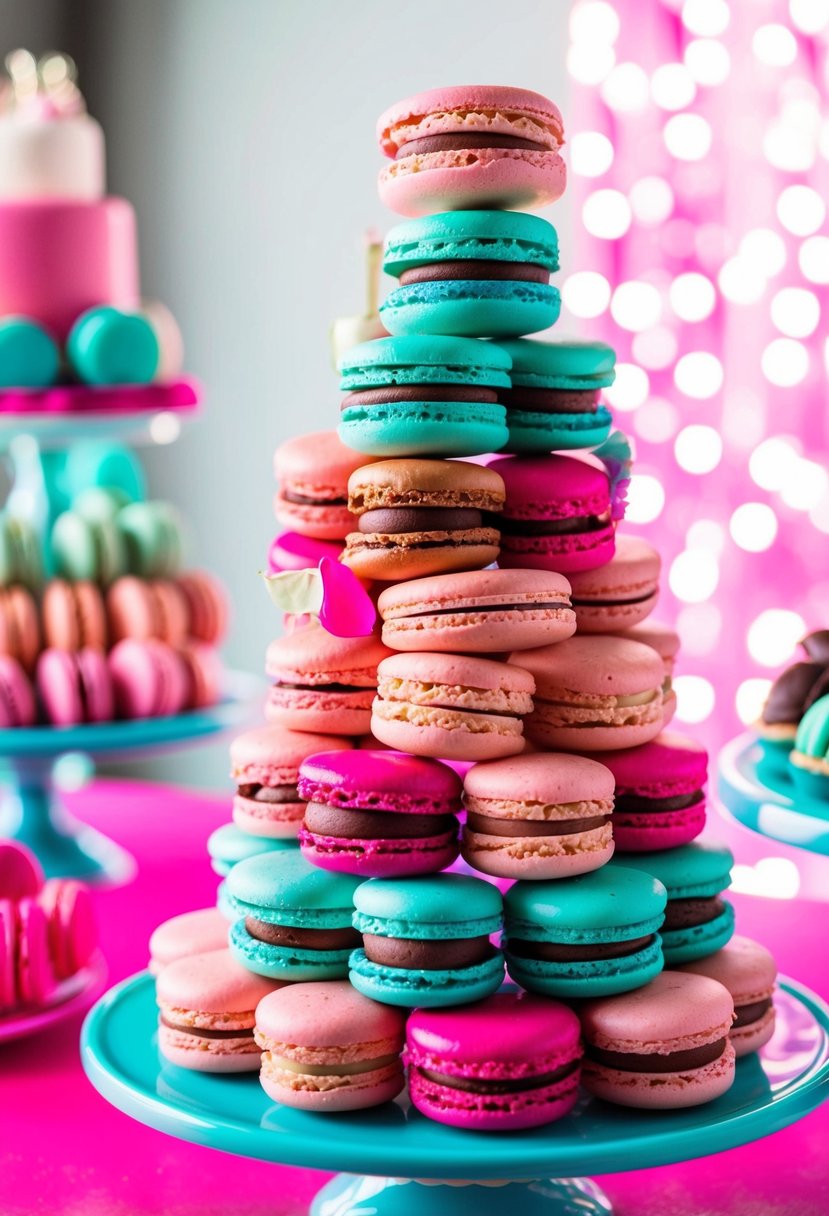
x=396, y=1143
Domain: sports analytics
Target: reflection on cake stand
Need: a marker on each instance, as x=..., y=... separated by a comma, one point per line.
x=397, y=1150
x=31, y=810
x=756, y=789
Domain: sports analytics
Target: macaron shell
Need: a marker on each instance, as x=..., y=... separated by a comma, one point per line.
x=21, y=874
x=531, y=432
x=515, y=178
x=149, y=679
x=8, y=953
x=17, y=702
x=73, y=616
x=315, y=467
x=748, y=971
x=566, y=554
x=650, y=831
x=208, y=1055
x=661, y=1091
x=473, y=308
x=19, y=626
x=270, y=820
x=207, y=606
x=357, y=1092
x=380, y=781
x=284, y=962
x=620, y=594
x=485, y=1113
x=72, y=929
x=687, y=945
x=190, y=933
x=426, y=989
x=380, y=858
x=539, y=857
x=470, y=107
x=35, y=976
x=424, y=428
x=602, y=977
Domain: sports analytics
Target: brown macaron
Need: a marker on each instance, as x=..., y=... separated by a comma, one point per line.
x=420, y=517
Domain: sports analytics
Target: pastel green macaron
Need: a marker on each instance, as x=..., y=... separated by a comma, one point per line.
x=809, y=758
x=554, y=403
x=472, y=274
x=593, y=935
x=20, y=557
x=426, y=940
x=89, y=550
x=697, y=920
x=229, y=845
x=152, y=534
x=424, y=396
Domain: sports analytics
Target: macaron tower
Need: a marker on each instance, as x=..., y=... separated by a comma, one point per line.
x=513, y=688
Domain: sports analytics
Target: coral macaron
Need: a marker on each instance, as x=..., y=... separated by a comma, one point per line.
x=749, y=972
x=74, y=615
x=326, y=1047
x=594, y=693
x=452, y=707
x=507, y=1063
x=379, y=814
x=19, y=625
x=662, y=1047
x=313, y=471
x=481, y=611
x=660, y=793
x=557, y=513
x=538, y=816
x=147, y=608
x=471, y=146
x=420, y=517
x=622, y=592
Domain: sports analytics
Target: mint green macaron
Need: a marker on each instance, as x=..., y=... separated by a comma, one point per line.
x=809, y=758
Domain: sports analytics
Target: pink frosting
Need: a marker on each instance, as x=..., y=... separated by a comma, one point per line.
x=328, y=1014
x=552, y=487
x=667, y=767
x=380, y=781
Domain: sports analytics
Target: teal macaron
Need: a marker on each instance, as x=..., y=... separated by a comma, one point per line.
x=229, y=845
x=28, y=354
x=593, y=935
x=424, y=396
x=476, y=274
x=293, y=920
x=21, y=561
x=697, y=920
x=88, y=550
x=152, y=534
x=108, y=346
x=809, y=758
x=553, y=404
x=426, y=940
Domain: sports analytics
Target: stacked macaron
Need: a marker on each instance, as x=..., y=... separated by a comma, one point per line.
x=794, y=722
x=517, y=694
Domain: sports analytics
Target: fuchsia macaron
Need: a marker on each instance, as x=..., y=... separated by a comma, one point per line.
x=264, y=763
x=207, y=1010
x=196, y=932
x=36, y=979
x=660, y=793
x=150, y=680
x=509, y=1062
x=665, y=641
x=594, y=693
x=71, y=928
x=557, y=514
x=17, y=699
x=749, y=972
x=622, y=592
x=293, y=551
x=75, y=687
x=379, y=814
x=323, y=683
x=480, y=611
x=451, y=707
x=312, y=472
x=471, y=147
x=660, y=1047
x=540, y=816
x=21, y=874
x=326, y=1047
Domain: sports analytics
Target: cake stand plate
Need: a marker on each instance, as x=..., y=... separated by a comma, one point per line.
x=31, y=810
x=73, y=996
x=755, y=787
x=410, y=1165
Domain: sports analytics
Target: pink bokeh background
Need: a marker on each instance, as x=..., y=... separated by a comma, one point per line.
x=699, y=164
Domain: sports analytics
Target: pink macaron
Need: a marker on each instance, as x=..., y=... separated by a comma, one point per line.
x=379, y=814
x=19, y=626
x=17, y=698
x=665, y=641
x=479, y=611
x=71, y=927
x=594, y=693
x=660, y=793
x=540, y=816
x=197, y=932
x=207, y=606
x=622, y=592
x=313, y=471
x=8, y=955
x=36, y=980
x=75, y=687
x=557, y=514
x=508, y=1062
x=149, y=678
x=471, y=147
x=264, y=764
x=452, y=707
x=205, y=674
x=749, y=972
x=323, y=683
x=21, y=875
x=328, y=1048
x=147, y=608
x=661, y=1047
x=207, y=1009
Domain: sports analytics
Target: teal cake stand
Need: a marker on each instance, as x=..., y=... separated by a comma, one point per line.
x=400, y=1164
x=31, y=809
x=756, y=789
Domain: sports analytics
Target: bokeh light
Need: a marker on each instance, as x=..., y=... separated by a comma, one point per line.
x=753, y=526
x=699, y=374
x=695, y=698
x=810, y=16
x=687, y=136
x=589, y=64
x=591, y=153
x=586, y=293
x=774, y=45
x=651, y=199
x=706, y=17
x=708, y=61
x=645, y=499
x=655, y=348
x=813, y=259
x=801, y=210
x=773, y=462
x=636, y=306
x=698, y=449
x=606, y=214
x=750, y=699
x=773, y=636
x=629, y=389
x=656, y=420
x=692, y=296
x=694, y=575
x=766, y=249
x=785, y=362
x=795, y=311
x=626, y=89
x=594, y=21
x=672, y=86
x=741, y=281
x=700, y=627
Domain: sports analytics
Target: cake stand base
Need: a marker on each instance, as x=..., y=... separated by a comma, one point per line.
x=350, y=1195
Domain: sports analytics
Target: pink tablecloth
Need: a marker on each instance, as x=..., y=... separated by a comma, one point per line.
x=64, y=1150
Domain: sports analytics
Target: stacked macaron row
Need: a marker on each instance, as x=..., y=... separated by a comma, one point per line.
x=47, y=933
x=520, y=809
x=794, y=722
x=120, y=630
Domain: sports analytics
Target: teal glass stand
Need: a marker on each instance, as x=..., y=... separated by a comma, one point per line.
x=402, y=1164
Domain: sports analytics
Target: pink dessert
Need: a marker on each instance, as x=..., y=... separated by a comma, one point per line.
x=73, y=615
x=36, y=979
x=74, y=688
x=71, y=927
x=293, y=551
x=8, y=952
x=19, y=626
x=206, y=604
x=21, y=875
x=509, y=1062
x=557, y=514
x=379, y=814
x=660, y=793
x=141, y=608
x=17, y=700
x=665, y=641
x=190, y=933
x=621, y=593
x=662, y=1047
x=328, y=1048
x=149, y=678
x=264, y=764
x=323, y=683
x=313, y=471
x=471, y=147
x=207, y=1006
x=749, y=972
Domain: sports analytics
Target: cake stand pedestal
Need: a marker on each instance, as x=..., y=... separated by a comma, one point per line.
x=410, y=1166
x=31, y=810
x=756, y=789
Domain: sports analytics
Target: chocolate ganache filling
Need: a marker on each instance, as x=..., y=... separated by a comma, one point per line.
x=688, y=913
x=553, y=527
x=471, y=269
x=676, y=1061
x=523, y=399
x=269, y=793
x=391, y=521
x=490, y=826
x=411, y=955
x=744, y=1015
x=513, y=1085
x=462, y=139
x=351, y=824
x=634, y=804
x=584, y=952
x=469, y=393
x=302, y=939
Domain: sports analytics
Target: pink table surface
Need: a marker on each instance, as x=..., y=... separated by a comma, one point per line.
x=64, y=1150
